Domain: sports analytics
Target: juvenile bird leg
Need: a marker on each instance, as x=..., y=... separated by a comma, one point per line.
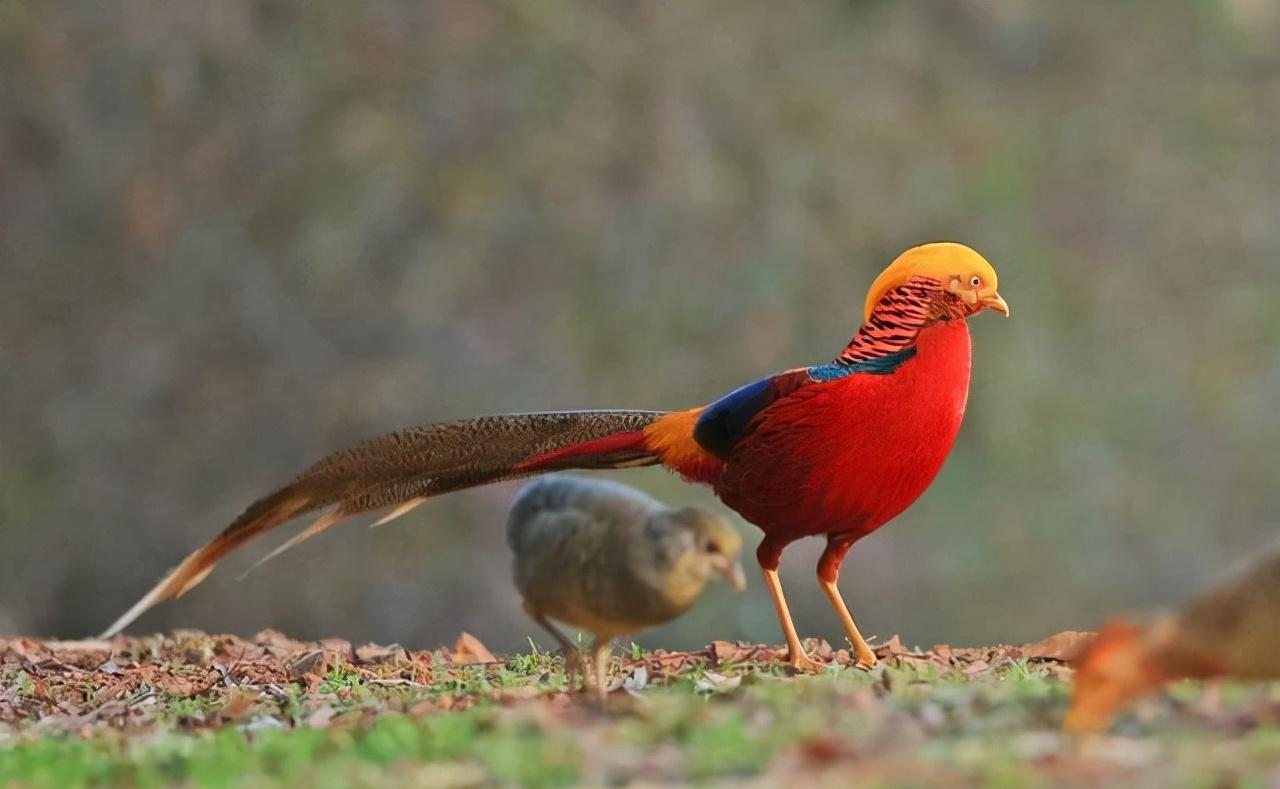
x=768, y=555
x=828, y=574
x=601, y=658
x=572, y=655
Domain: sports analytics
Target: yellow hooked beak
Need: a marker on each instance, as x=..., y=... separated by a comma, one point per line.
x=994, y=302
x=978, y=296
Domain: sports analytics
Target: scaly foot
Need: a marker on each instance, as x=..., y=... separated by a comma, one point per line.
x=866, y=658
x=803, y=663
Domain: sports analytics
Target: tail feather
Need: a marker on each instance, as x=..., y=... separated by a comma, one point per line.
x=401, y=470
x=326, y=521
x=397, y=512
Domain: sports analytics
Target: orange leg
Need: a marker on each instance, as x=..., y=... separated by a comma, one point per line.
x=768, y=554
x=828, y=575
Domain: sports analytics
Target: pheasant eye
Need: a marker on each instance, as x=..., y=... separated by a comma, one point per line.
x=976, y=281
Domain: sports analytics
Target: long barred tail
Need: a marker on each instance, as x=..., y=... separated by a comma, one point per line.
x=403, y=469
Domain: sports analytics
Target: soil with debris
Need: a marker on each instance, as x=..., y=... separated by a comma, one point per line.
x=191, y=709
x=71, y=685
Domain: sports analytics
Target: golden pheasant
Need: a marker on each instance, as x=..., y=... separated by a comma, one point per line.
x=834, y=450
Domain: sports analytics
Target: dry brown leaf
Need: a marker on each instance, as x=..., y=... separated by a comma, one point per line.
x=725, y=650
x=1006, y=653
x=713, y=682
x=892, y=648
x=730, y=652
x=339, y=646
x=314, y=662
x=374, y=653
x=239, y=704
x=469, y=649
x=1064, y=646
x=30, y=651
x=819, y=648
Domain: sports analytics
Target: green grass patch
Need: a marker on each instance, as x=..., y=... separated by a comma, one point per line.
x=701, y=723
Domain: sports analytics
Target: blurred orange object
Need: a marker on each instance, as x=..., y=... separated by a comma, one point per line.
x=1231, y=630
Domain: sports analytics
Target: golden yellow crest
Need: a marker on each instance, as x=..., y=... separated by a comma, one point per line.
x=961, y=270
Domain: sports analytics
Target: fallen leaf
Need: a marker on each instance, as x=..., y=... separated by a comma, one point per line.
x=110, y=667
x=1064, y=646
x=730, y=652
x=638, y=679
x=338, y=645
x=713, y=682
x=724, y=650
x=469, y=649
x=976, y=667
x=239, y=703
x=374, y=653
x=314, y=662
x=274, y=638
x=893, y=648
x=819, y=648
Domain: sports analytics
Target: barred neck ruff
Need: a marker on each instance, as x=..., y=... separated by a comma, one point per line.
x=898, y=318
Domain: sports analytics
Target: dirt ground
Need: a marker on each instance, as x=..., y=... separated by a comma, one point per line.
x=212, y=710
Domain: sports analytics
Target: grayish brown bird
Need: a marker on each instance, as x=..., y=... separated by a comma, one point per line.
x=1231, y=630
x=611, y=560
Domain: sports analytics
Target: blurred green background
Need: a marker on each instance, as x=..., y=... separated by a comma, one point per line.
x=236, y=236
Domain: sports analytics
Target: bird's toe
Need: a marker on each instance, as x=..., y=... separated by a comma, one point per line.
x=866, y=659
x=804, y=664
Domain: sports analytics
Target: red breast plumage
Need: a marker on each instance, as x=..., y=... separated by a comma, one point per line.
x=850, y=455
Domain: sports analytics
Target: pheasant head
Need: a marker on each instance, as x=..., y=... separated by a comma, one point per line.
x=962, y=281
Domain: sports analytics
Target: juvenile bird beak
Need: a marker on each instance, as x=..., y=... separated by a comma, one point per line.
x=994, y=302
x=734, y=575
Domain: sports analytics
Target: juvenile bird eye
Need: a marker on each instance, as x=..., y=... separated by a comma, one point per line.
x=713, y=547
x=976, y=281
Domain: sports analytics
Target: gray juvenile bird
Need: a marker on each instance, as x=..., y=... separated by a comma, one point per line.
x=611, y=560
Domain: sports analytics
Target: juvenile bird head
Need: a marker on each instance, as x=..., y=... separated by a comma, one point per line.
x=1120, y=665
x=964, y=277
x=716, y=545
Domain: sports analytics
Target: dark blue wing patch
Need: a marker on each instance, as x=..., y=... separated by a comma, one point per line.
x=723, y=422
x=880, y=365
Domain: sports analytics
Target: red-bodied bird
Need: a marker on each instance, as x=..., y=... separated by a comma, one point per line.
x=837, y=449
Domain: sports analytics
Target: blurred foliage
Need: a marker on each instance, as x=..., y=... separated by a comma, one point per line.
x=236, y=236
